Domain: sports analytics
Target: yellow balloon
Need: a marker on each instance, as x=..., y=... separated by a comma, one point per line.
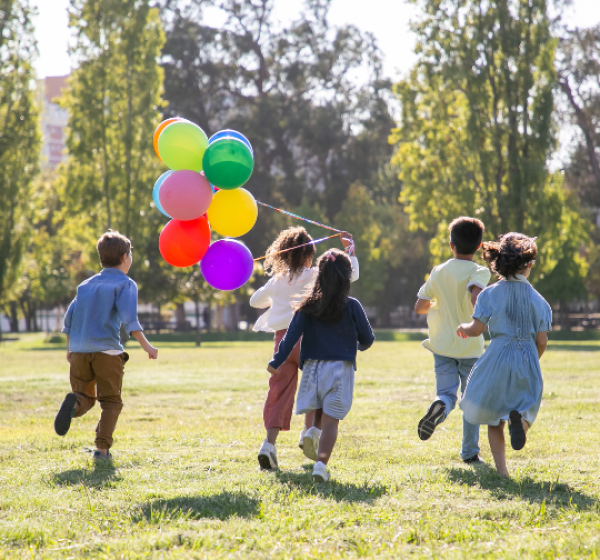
x=232, y=213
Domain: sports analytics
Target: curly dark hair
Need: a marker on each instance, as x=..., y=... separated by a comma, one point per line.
x=291, y=262
x=510, y=254
x=329, y=293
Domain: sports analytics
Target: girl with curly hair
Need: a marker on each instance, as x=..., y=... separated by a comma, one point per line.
x=333, y=326
x=289, y=262
x=506, y=382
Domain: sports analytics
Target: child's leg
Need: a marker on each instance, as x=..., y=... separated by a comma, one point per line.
x=329, y=432
x=447, y=382
x=83, y=382
x=109, y=378
x=498, y=447
x=277, y=412
x=309, y=420
x=470, y=441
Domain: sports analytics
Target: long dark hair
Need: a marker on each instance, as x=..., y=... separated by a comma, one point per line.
x=329, y=293
x=290, y=262
x=510, y=254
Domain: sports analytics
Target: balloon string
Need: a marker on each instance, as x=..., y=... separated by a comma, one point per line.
x=314, y=242
x=299, y=218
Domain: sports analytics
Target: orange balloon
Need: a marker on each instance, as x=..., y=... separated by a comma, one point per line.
x=159, y=129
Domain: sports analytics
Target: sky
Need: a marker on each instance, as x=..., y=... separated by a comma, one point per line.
x=391, y=29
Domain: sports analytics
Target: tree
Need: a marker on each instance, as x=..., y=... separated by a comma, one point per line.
x=578, y=67
x=19, y=136
x=114, y=100
x=477, y=130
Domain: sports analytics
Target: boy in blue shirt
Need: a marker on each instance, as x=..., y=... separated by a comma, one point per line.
x=92, y=324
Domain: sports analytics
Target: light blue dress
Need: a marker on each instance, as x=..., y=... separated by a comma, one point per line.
x=508, y=375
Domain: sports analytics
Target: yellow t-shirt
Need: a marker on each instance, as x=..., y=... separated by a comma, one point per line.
x=448, y=287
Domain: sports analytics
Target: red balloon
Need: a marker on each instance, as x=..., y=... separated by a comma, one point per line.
x=186, y=195
x=184, y=243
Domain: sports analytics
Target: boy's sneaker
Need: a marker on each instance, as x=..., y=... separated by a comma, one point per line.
x=516, y=431
x=431, y=419
x=310, y=448
x=301, y=442
x=320, y=473
x=267, y=456
x=475, y=460
x=62, y=422
x=101, y=457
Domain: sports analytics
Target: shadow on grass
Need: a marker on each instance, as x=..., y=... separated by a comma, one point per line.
x=339, y=491
x=551, y=492
x=218, y=506
x=102, y=472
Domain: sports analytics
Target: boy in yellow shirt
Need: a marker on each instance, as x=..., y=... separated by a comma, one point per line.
x=448, y=298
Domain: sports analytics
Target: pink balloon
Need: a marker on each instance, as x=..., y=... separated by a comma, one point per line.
x=185, y=195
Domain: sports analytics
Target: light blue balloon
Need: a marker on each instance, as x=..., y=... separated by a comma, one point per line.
x=155, y=190
x=230, y=134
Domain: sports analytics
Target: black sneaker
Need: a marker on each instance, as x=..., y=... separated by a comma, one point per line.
x=101, y=457
x=516, y=431
x=431, y=419
x=475, y=460
x=62, y=422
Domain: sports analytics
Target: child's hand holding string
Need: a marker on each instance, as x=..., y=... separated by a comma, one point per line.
x=347, y=241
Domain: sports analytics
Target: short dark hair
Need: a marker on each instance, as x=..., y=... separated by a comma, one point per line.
x=466, y=234
x=111, y=247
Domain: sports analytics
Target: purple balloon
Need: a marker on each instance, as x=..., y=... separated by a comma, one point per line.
x=227, y=265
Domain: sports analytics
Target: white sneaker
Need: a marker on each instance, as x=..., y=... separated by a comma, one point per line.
x=301, y=442
x=267, y=456
x=320, y=473
x=310, y=448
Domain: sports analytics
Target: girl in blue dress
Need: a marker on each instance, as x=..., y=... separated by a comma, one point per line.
x=506, y=382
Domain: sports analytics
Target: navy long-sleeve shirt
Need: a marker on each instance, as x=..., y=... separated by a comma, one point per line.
x=327, y=341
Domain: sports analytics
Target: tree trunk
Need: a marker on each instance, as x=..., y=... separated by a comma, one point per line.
x=198, y=330
x=14, y=317
x=181, y=324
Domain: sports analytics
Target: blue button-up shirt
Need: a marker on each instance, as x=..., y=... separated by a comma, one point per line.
x=102, y=303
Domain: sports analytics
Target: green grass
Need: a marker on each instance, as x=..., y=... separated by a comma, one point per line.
x=185, y=482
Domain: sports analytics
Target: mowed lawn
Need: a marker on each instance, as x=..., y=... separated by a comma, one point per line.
x=185, y=481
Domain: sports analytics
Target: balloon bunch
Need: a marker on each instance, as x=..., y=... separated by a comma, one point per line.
x=201, y=191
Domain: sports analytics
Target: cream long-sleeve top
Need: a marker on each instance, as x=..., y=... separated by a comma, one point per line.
x=279, y=294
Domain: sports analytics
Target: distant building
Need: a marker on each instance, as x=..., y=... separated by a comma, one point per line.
x=54, y=120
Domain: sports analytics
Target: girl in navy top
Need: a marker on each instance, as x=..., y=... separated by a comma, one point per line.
x=333, y=326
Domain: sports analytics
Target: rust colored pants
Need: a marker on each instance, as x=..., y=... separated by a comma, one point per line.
x=282, y=389
x=99, y=377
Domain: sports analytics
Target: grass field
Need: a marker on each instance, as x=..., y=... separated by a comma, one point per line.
x=185, y=481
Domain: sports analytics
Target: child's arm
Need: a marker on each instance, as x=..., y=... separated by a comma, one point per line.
x=475, y=291
x=423, y=306
x=541, y=341
x=347, y=242
x=141, y=338
x=68, y=351
x=67, y=325
x=262, y=297
x=291, y=337
x=472, y=329
x=364, y=330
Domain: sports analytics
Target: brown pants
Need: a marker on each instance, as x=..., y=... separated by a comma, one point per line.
x=97, y=376
x=282, y=389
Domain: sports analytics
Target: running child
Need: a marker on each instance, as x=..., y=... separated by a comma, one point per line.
x=448, y=298
x=289, y=260
x=506, y=382
x=94, y=350
x=332, y=327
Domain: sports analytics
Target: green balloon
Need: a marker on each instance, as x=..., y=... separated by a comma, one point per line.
x=228, y=163
x=181, y=145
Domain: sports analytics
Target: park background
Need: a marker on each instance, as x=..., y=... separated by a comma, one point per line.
x=387, y=122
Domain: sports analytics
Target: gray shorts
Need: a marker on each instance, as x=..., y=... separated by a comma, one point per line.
x=327, y=385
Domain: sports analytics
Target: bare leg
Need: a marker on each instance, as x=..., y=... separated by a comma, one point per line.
x=317, y=416
x=272, y=434
x=329, y=432
x=498, y=447
x=309, y=419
